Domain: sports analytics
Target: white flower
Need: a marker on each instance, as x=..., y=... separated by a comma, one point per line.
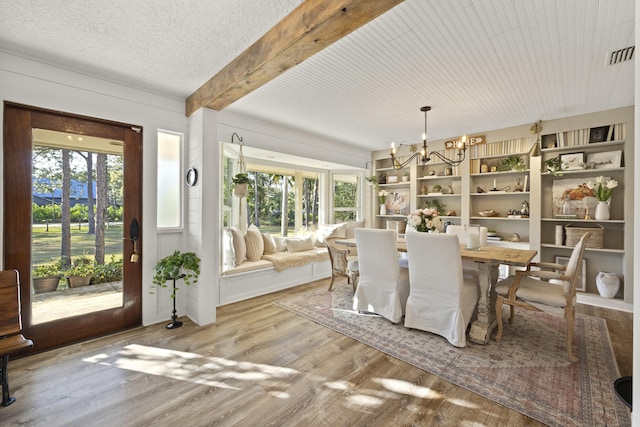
x=599, y=180
x=382, y=193
x=612, y=184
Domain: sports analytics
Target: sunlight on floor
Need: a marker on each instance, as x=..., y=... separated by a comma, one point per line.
x=192, y=367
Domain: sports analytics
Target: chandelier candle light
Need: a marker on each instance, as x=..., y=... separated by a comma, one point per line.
x=422, y=155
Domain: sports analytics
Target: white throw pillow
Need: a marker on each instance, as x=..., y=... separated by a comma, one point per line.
x=350, y=228
x=298, y=244
x=255, y=244
x=228, y=254
x=239, y=246
x=269, y=244
x=281, y=243
x=329, y=231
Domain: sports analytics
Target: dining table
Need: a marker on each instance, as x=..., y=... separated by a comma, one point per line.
x=488, y=258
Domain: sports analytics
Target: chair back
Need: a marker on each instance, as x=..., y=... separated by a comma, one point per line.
x=377, y=257
x=435, y=265
x=10, y=320
x=573, y=266
x=457, y=230
x=337, y=257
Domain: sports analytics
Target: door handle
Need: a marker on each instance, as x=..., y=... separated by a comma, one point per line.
x=134, y=234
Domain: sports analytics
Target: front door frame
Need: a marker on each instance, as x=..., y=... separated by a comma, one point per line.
x=19, y=120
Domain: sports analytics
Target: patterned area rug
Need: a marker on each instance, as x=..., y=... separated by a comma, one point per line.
x=528, y=371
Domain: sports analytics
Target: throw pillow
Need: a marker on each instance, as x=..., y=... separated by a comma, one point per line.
x=269, y=244
x=228, y=254
x=298, y=244
x=281, y=243
x=255, y=244
x=239, y=245
x=350, y=228
x=329, y=231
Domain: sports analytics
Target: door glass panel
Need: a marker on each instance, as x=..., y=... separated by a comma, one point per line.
x=77, y=231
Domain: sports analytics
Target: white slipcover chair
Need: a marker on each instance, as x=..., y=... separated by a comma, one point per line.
x=441, y=300
x=383, y=286
x=469, y=268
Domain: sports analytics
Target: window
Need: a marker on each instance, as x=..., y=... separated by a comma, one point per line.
x=169, y=179
x=345, y=197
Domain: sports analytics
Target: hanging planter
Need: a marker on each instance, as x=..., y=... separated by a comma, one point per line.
x=240, y=184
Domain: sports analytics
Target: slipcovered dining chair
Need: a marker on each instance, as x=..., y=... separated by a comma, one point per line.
x=343, y=264
x=383, y=286
x=442, y=300
x=531, y=290
x=469, y=268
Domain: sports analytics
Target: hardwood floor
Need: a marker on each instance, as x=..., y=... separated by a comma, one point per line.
x=259, y=365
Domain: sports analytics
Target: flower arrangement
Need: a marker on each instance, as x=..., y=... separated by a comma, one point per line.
x=382, y=196
x=604, y=190
x=426, y=220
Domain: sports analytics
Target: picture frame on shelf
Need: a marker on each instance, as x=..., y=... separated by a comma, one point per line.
x=572, y=161
x=398, y=202
x=582, y=274
x=392, y=179
x=598, y=134
x=605, y=159
x=568, y=197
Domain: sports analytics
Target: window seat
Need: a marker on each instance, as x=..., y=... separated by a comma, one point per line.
x=274, y=272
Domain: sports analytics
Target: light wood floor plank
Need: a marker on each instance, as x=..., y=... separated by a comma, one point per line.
x=258, y=365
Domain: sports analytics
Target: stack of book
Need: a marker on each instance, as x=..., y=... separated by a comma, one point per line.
x=494, y=238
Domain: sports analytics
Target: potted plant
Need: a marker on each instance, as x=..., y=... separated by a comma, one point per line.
x=515, y=163
x=240, y=182
x=46, y=277
x=81, y=272
x=553, y=166
x=178, y=265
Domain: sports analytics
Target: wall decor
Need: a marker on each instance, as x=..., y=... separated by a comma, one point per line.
x=605, y=159
x=582, y=275
x=572, y=161
x=598, y=134
x=569, y=197
x=192, y=176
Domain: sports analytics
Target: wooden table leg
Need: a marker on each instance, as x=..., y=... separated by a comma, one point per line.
x=482, y=327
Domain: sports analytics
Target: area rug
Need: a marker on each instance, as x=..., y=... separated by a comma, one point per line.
x=528, y=371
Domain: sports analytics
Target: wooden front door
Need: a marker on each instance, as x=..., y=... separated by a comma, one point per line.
x=21, y=125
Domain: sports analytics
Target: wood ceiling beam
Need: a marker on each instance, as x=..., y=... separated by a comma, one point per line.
x=311, y=27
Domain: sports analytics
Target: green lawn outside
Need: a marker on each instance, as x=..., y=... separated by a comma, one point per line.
x=46, y=244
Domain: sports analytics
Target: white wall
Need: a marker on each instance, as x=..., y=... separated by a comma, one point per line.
x=37, y=84
x=34, y=83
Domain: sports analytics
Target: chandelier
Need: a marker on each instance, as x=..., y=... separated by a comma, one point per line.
x=422, y=155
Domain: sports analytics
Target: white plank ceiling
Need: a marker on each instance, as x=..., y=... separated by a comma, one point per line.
x=480, y=64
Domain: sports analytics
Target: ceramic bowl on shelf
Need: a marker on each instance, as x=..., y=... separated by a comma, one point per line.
x=488, y=212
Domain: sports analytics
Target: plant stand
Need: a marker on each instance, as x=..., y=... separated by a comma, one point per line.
x=175, y=323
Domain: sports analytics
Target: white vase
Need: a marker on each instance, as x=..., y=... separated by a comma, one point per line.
x=602, y=211
x=383, y=209
x=608, y=284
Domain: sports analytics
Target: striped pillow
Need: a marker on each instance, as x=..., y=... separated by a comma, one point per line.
x=255, y=243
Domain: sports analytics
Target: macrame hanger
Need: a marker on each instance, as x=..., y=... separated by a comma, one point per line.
x=242, y=168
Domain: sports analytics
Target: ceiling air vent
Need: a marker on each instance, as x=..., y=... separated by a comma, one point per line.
x=621, y=55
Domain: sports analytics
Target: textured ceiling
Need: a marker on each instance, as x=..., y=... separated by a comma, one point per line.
x=481, y=65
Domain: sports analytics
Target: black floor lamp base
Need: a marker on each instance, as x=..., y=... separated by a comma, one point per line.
x=174, y=324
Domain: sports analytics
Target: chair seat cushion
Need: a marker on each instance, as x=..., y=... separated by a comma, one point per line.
x=352, y=264
x=533, y=290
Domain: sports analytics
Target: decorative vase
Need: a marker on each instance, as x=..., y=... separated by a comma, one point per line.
x=383, y=209
x=608, y=284
x=602, y=211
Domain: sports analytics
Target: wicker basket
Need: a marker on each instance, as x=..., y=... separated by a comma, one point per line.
x=574, y=234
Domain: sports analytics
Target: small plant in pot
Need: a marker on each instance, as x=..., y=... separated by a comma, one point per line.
x=240, y=183
x=81, y=271
x=46, y=277
x=178, y=265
